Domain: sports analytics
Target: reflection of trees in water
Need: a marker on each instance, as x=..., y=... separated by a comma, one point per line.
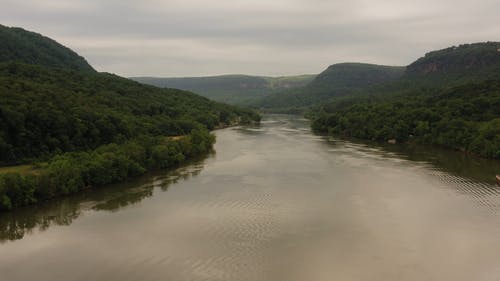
x=129, y=197
x=16, y=224
x=132, y=196
x=468, y=175
x=453, y=162
x=445, y=160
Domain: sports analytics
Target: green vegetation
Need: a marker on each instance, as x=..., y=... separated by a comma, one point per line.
x=19, y=45
x=46, y=111
x=232, y=89
x=71, y=172
x=88, y=128
x=449, y=98
x=338, y=80
x=40, y=217
x=21, y=169
x=464, y=61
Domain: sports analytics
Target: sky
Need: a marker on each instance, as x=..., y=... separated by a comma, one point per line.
x=175, y=38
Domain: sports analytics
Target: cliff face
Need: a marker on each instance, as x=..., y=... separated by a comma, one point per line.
x=459, y=60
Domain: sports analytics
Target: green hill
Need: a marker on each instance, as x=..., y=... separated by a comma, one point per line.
x=78, y=128
x=19, y=45
x=449, y=98
x=338, y=80
x=470, y=60
x=46, y=111
x=232, y=89
x=353, y=75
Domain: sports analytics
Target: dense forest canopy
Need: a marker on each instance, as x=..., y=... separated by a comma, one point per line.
x=471, y=59
x=449, y=98
x=354, y=75
x=19, y=45
x=338, y=80
x=80, y=128
x=46, y=110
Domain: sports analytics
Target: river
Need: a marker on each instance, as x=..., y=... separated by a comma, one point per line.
x=273, y=202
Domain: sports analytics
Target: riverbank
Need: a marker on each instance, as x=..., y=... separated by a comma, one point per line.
x=72, y=172
x=274, y=203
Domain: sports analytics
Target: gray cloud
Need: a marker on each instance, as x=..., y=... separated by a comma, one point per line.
x=206, y=37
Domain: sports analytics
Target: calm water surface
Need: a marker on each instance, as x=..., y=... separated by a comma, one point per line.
x=273, y=203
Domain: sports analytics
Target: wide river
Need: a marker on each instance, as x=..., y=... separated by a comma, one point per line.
x=273, y=203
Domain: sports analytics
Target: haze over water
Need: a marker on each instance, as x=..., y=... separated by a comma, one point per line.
x=275, y=202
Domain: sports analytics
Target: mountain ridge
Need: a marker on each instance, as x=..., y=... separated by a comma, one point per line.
x=465, y=58
x=337, y=80
x=231, y=88
x=20, y=45
x=77, y=128
x=449, y=98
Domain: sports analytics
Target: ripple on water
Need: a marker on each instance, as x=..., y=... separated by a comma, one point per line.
x=233, y=230
x=226, y=225
x=486, y=195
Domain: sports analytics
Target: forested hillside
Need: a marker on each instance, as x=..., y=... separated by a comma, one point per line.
x=232, y=89
x=77, y=128
x=470, y=60
x=46, y=111
x=450, y=98
x=338, y=80
x=19, y=45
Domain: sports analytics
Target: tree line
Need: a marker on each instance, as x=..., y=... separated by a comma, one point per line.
x=74, y=171
x=465, y=118
x=47, y=111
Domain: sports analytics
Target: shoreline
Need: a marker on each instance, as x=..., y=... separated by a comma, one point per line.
x=34, y=177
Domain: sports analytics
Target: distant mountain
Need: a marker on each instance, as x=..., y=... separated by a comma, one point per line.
x=448, y=67
x=468, y=59
x=232, y=89
x=83, y=128
x=52, y=101
x=353, y=75
x=19, y=45
x=337, y=80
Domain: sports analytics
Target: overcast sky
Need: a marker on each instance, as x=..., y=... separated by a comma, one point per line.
x=264, y=37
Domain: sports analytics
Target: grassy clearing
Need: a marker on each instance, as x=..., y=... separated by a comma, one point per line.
x=21, y=169
x=175, y=138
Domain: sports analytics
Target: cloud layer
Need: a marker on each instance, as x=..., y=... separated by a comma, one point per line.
x=279, y=37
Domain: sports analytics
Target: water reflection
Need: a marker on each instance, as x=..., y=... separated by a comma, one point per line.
x=446, y=161
x=472, y=176
x=17, y=224
x=456, y=163
x=276, y=203
x=462, y=174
